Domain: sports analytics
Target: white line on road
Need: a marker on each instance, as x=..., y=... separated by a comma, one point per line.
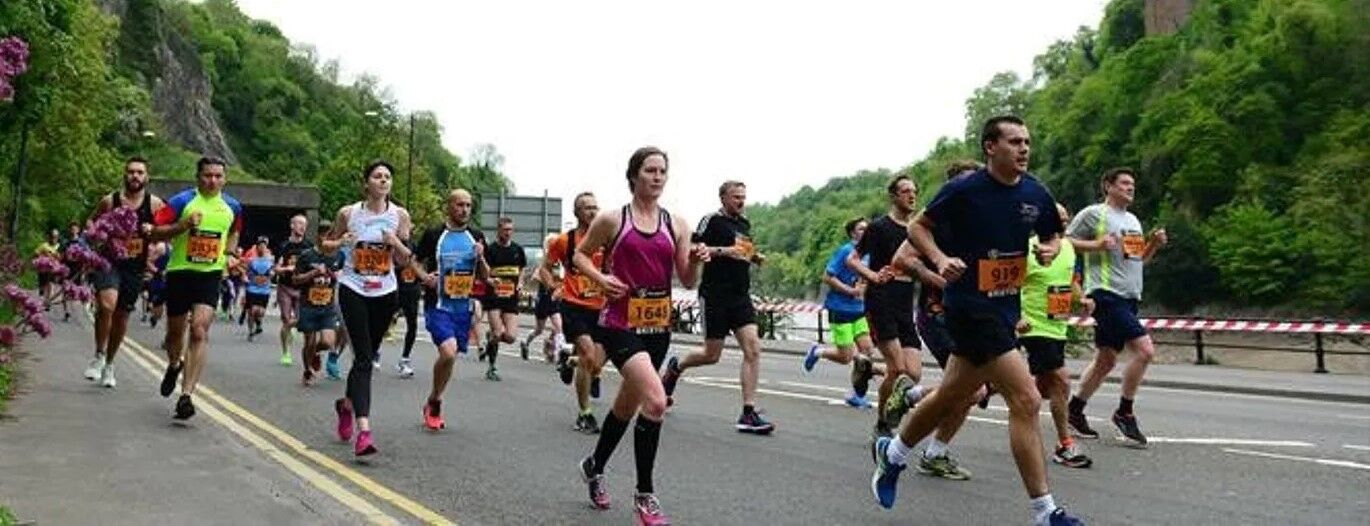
x=1229, y=442
x=775, y=392
x=1356, y=447
x=1322, y=461
x=1354, y=417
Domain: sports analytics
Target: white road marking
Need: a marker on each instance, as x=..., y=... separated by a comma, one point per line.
x=1314, y=460
x=1356, y=447
x=1354, y=417
x=1229, y=442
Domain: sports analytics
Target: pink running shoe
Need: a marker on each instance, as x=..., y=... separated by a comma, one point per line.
x=344, y=409
x=364, y=445
x=599, y=488
x=649, y=511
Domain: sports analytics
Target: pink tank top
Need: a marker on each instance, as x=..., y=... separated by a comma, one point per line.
x=643, y=261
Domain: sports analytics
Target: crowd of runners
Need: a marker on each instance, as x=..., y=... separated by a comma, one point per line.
x=993, y=264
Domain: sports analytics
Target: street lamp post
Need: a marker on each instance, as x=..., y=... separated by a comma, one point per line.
x=409, y=192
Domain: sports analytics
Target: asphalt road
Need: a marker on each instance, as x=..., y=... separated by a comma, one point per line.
x=509, y=453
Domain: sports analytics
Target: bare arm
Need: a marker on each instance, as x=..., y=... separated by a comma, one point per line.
x=920, y=236
x=601, y=231
x=908, y=259
x=333, y=238
x=837, y=285
x=686, y=268
x=100, y=208
x=854, y=263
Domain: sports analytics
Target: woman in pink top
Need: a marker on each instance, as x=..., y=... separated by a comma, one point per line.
x=643, y=245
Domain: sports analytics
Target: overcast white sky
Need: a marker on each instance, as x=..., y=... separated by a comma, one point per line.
x=778, y=94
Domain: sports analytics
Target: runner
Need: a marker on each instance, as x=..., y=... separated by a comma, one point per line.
x=314, y=273
x=1049, y=292
x=410, y=294
x=450, y=261
x=726, y=303
x=1115, y=250
x=259, y=276
x=371, y=232
x=201, y=222
x=287, y=293
x=642, y=245
x=332, y=367
x=846, y=312
x=988, y=217
x=507, y=261
x=74, y=236
x=50, y=247
x=159, y=254
x=117, y=289
x=232, y=283
x=582, y=302
x=546, y=309
x=889, y=296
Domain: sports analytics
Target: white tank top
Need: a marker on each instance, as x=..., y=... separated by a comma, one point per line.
x=369, y=269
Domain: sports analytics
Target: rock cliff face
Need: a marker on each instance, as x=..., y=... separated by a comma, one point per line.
x=181, y=91
x=1166, y=16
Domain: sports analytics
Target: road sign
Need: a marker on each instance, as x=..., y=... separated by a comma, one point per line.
x=534, y=217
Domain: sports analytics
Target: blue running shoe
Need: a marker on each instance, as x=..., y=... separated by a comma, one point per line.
x=1061, y=518
x=811, y=358
x=331, y=367
x=886, y=476
x=858, y=402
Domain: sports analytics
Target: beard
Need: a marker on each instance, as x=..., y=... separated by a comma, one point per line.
x=131, y=186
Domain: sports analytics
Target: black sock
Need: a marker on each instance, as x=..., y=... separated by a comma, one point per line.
x=1077, y=405
x=646, y=437
x=609, y=435
x=748, y=409
x=491, y=349
x=1124, y=405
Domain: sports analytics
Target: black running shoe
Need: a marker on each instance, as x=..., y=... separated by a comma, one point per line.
x=523, y=350
x=564, y=369
x=594, y=388
x=862, y=370
x=989, y=393
x=169, y=379
x=184, y=408
x=1127, y=425
x=1080, y=425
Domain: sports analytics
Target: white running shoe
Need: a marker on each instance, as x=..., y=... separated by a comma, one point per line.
x=405, y=368
x=107, y=376
x=96, y=364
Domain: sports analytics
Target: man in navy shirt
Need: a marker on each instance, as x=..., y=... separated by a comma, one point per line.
x=988, y=216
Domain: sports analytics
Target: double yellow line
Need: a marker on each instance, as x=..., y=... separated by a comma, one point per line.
x=293, y=452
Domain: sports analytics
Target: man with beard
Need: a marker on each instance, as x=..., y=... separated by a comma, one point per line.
x=117, y=288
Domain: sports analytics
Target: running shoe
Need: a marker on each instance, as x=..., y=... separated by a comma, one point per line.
x=898, y=403
x=649, y=511
x=93, y=368
x=669, y=379
x=376, y=364
x=432, y=415
x=169, y=379
x=184, y=408
x=364, y=446
x=1079, y=425
x=523, y=350
x=858, y=402
x=1061, y=518
x=885, y=480
x=405, y=368
x=107, y=376
x=492, y=374
x=587, y=424
x=1127, y=426
x=943, y=466
x=344, y=409
x=862, y=370
x=594, y=388
x=332, y=368
x=286, y=360
x=564, y=369
x=1071, y=457
x=307, y=377
x=754, y=423
x=811, y=358
x=989, y=393
x=598, y=486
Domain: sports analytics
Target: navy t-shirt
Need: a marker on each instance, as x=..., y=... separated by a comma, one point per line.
x=988, y=225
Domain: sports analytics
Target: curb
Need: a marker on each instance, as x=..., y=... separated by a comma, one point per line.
x=1168, y=384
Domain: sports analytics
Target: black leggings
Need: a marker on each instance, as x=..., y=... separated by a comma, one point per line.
x=409, y=307
x=366, y=320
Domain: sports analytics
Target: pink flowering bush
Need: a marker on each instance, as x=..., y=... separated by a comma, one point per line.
x=26, y=310
x=14, y=61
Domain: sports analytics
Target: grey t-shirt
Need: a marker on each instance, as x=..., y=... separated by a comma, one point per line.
x=1118, y=270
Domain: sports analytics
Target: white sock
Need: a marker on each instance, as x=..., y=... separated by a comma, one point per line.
x=936, y=448
x=559, y=340
x=898, y=451
x=914, y=394
x=1042, y=508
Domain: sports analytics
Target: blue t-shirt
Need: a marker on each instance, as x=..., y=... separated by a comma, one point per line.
x=988, y=225
x=452, y=253
x=259, y=275
x=837, y=268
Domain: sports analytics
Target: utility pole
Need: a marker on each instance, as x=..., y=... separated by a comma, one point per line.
x=409, y=193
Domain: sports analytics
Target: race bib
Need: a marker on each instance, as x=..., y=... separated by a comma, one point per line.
x=408, y=275
x=1058, y=301
x=458, y=285
x=587, y=287
x=321, y=295
x=1134, y=245
x=744, y=246
x=371, y=259
x=504, y=288
x=649, y=311
x=1001, y=276
x=261, y=279
x=134, y=247
x=202, y=246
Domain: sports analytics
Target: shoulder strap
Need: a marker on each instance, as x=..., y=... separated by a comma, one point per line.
x=668, y=224
x=570, y=249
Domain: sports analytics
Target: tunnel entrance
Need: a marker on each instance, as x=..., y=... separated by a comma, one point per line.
x=267, y=207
